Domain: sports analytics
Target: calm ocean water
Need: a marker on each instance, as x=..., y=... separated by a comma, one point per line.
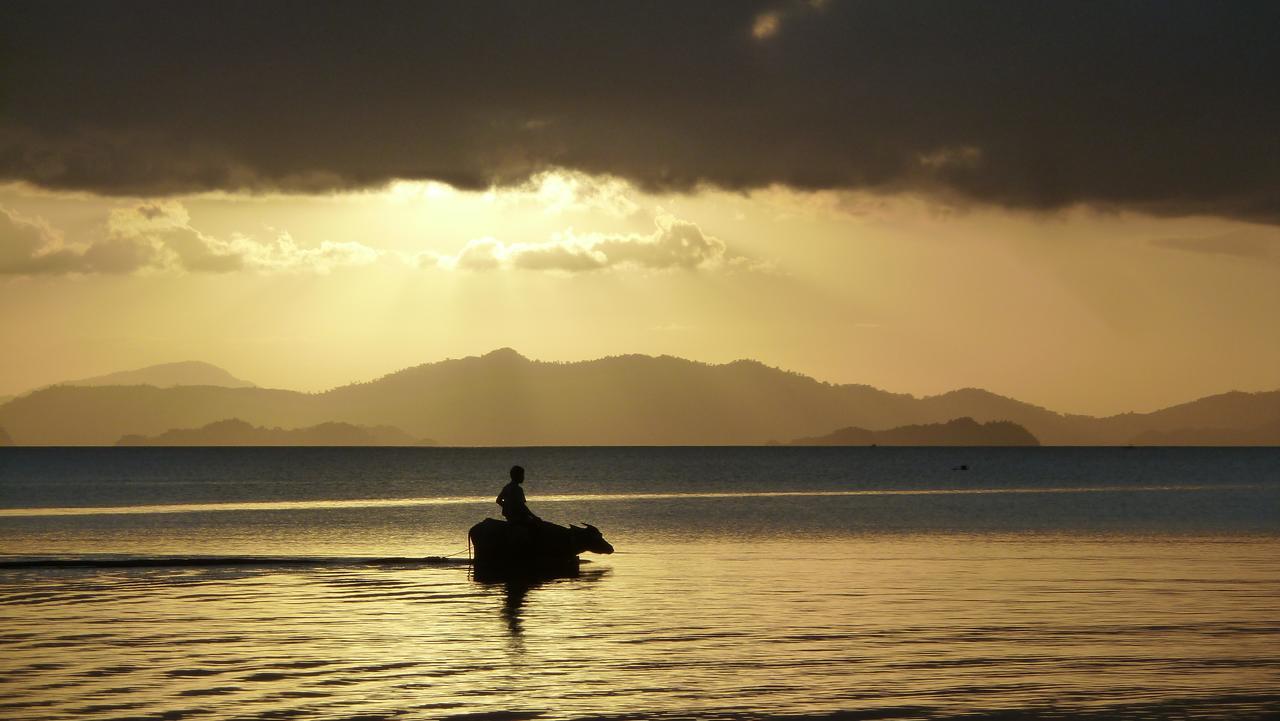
x=849, y=583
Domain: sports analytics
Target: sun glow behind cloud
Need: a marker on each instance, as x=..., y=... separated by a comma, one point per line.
x=158, y=236
x=674, y=243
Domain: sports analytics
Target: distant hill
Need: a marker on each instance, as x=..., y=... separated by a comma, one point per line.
x=100, y=415
x=235, y=432
x=958, y=432
x=503, y=398
x=1267, y=434
x=167, y=375
x=1225, y=413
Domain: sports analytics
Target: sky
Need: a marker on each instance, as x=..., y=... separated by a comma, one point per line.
x=1073, y=204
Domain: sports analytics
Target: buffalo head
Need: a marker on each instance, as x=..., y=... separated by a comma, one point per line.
x=590, y=539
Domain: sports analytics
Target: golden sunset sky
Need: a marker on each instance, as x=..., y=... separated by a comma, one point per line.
x=918, y=203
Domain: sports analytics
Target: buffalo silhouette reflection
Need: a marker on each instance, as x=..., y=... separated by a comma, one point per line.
x=517, y=587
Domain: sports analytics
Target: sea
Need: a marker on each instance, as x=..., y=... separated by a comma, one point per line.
x=747, y=583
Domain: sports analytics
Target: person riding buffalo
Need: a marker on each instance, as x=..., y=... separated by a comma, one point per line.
x=514, y=507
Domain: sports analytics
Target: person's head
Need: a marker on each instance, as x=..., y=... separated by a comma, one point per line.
x=517, y=474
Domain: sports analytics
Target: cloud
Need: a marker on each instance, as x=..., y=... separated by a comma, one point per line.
x=31, y=247
x=556, y=192
x=766, y=25
x=1166, y=108
x=283, y=253
x=1253, y=245
x=158, y=236
x=673, y=328
x=481, y=254
x=22, y=241
x=674, y=243
x=570, y=256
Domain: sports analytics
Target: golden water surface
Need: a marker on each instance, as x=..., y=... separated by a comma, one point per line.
x=879, y=626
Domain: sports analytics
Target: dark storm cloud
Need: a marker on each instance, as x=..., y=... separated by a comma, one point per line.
x=1167, y=107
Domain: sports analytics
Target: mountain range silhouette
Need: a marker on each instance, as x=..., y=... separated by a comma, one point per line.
x=503, y=398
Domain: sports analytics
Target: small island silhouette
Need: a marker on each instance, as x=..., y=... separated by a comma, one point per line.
x=235, y=432
x=958, y=432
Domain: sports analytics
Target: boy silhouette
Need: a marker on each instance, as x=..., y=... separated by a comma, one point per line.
x=511, y=498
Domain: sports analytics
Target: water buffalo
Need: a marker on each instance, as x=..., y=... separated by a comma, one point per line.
x=533, y=545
